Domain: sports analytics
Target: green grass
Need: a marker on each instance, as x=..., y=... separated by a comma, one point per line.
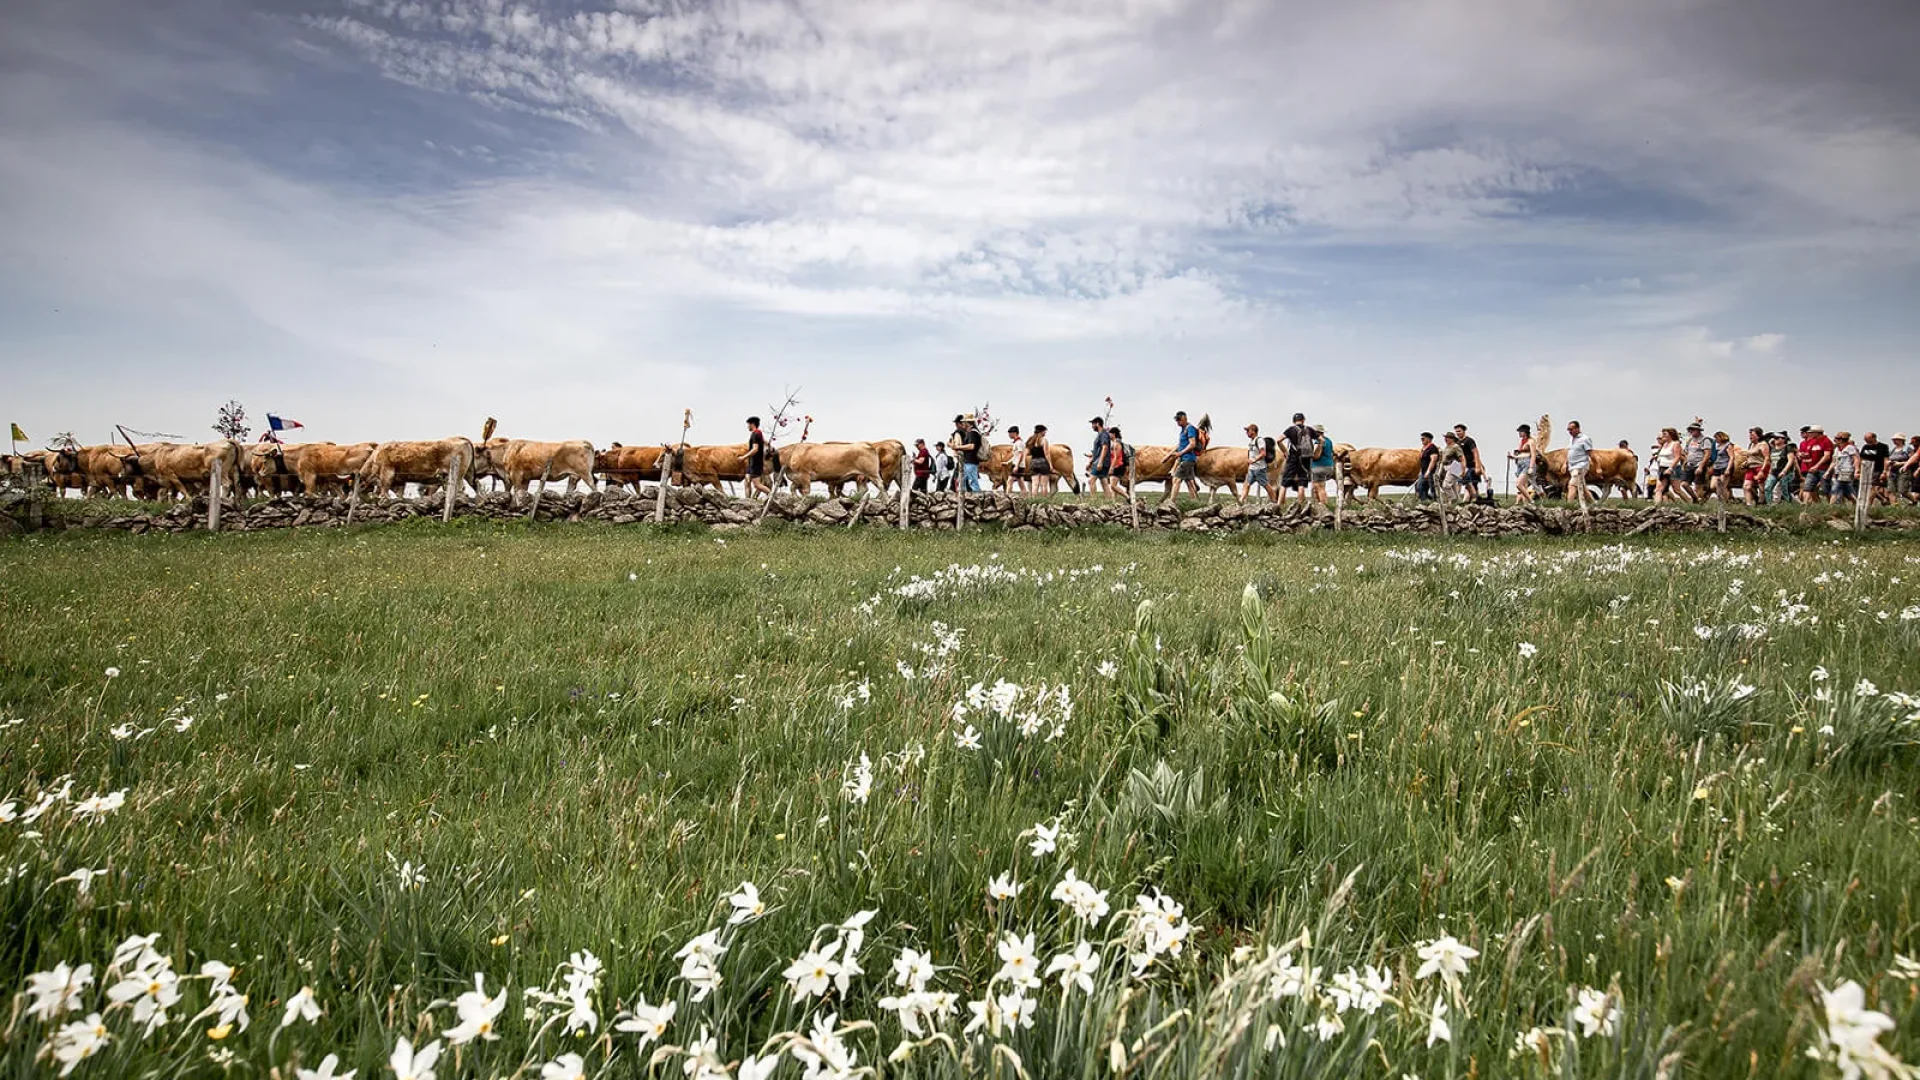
x=588, y=736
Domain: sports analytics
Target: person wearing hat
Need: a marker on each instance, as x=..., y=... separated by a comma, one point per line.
x=1453, y=468
x=1783, y=472
x=1899, y=462
x=966, y=445
x=1302, y=448
x=1692, y=464
x=1816, y=457
x=1844, y=478
x=1097, y=468
x=1521, y=461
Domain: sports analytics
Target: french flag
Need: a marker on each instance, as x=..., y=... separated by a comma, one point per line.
x=281, y=424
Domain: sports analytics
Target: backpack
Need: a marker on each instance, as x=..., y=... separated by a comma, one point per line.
x=1305, y=446
x=1272, y=451
x=1205, y=438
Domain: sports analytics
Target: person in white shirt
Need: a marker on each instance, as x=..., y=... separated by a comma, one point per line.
x=1579, y=453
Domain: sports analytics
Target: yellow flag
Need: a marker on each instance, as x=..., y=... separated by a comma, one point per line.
x=18, y=435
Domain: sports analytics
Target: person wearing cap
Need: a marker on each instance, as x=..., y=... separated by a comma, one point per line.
x=1097, y=468
x=1844, y=477
x=1782, y=469
x=922, y=465
x=1302, y=448
x=1693, y=466
x=1426, y=487
x=966, y=445
x=1186, y=455
x=1520, y=459
x=1453, y=469
x=1816, y=457
x=1899, y=462
x=1753, y=467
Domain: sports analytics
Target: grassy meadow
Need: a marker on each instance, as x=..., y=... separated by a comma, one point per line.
x=1009, y=804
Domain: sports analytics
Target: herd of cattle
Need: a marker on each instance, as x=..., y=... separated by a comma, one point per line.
x=152, y=471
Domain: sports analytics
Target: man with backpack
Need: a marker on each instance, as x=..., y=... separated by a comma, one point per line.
x=1097, y=459
x=1302, y=447
x=1260, y=455
x=1186, y=456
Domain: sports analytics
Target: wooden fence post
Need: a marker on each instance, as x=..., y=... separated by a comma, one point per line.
x=906, y=492
x=660, y=492
x=1447, y=490
x=353, y=499
x=960, y=496
x=1863, y=500
x=1339, y=495
x=213, y=494
x=545, y=472
x=1133, y=497
x=453, y=481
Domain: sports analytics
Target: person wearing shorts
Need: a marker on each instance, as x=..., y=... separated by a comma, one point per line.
x=1097, y=466
x=756, y=458
x=1039, y=469
x=1187, y=455
x=1322, y=470
x=1899, y=463
x=1753, y=475
x=1816, y=457
x=1299, y=468
x=1845, y=474
x=1257, y=463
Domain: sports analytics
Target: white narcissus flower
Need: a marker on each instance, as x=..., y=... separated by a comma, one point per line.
x=477, y=1013
x=1003, y=887
x=113, y=673
x=564, y=1067
x=1045, y=839
x=95, y=807
x=1018, y=964
x=301, y=1006
x=757, y=1068
x=1595, y=1012
x=77, y=1041
x=1438, y=1030
x=1018, y=1009
x=1445, y=957
x=410, y=1065
x=813, y=971
x=913, y=969
x=82, y=877
x=1076, y=968
x=859, y=786
x=967, y=740
x=1528, y=650
x=325, y=1071
x=746, y=903
x=59, y=990
x=151, y=989
x=1855, y=1032
x=649, y=1021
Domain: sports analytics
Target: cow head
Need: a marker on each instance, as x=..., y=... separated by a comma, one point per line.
x=63, y=460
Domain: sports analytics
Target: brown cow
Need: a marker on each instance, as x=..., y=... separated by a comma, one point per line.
x=1375, y=467
x=1215, y=468
x=694, y=466
x=621, y=466
x=268, y=469
x=187, y=468
x=999, y=465
x=327, y=466
x=108, y=470
x=420, y=461
x=890, y=451
x=524, y=461
x=64, y=470
x=1607, y=469
x=832, y=464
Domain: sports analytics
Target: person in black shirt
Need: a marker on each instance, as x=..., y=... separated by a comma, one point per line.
x=1476, y=468
x=965, y=442
x=756, y=458
x=1877, y=452
x=1426, y=486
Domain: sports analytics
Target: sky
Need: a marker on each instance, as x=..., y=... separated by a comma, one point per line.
x=393, y=218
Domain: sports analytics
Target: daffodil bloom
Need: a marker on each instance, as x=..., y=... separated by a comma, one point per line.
x=301, y=1006
x=1438, y=1030
x=1018, y=964
x=81, y=877
x=325, y=1071
x=649, y=1021
x=1595, y=1012
x=747, y=905
x=1003, y=887
x=823, y=1052
x=78, y=1041
x=409, y=1065
x=477, y=1012
x=757, y=1068
x=1445, y=957
x=51, y=993
x=1045, y=839
x=968, y=739
x=564, y=1067
x=912, y=969
x=813, y=971
x=1076, y=968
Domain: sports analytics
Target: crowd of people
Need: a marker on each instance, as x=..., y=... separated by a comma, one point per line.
x=1771, y=468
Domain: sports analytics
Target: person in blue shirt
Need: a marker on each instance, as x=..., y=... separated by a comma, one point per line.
x=1186, y=454
x=1322, y=468
x=1097, y=468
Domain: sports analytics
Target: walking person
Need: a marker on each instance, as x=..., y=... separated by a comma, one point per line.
x=922, y=465
x=1876, y=453
x=1260, y=457
x=942, y=468
x=1845, y=475
x=1322, y=470
x=1453, y=470
x=1753, y=472
x=1720, y=464
x=966, y=444
x=1186, y=456
x=1520, y=460
x=1097, y=458
x=1692, y=458
x=1816, y=457
x=1016, y=460
x=1898, y=461
x=1579, y=455
x=1470, y=454
x=1039, y=469
x=756, y=459
x=1302, y=447
x=1426, y=486
x=1781, y=470
x=1119, y=457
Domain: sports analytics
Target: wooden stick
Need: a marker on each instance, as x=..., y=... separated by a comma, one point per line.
x=1863, y=499
x=1133, y=499
x=545, y=472
x=353, y=499
x=1339, y=496
x=453, y=478
x=960, y=495
x=660, y=493
x=213, y=494
x=906, y=491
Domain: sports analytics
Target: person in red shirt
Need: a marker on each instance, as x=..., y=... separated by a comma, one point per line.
x=1816, y=457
